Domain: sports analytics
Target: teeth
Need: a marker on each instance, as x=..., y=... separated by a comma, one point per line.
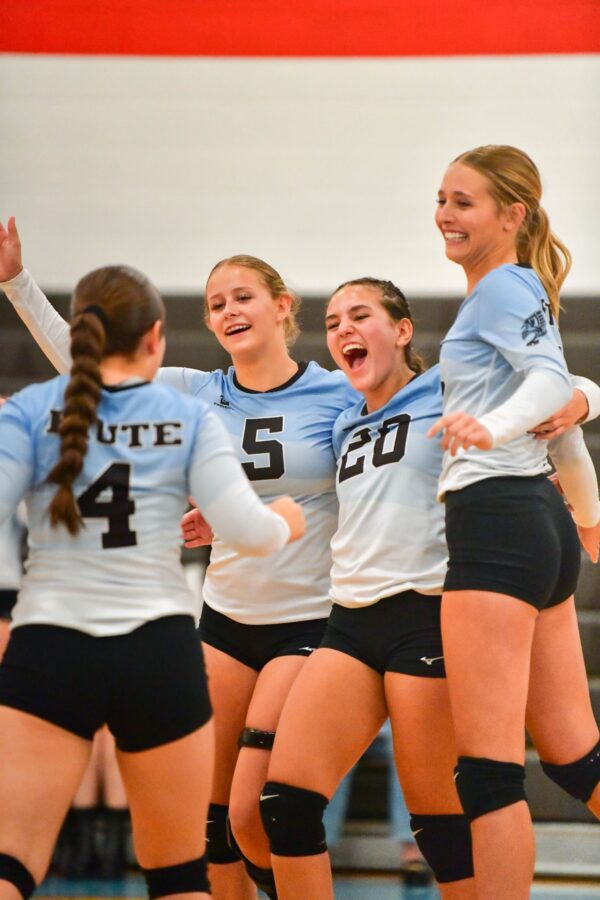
x=350, y=347
x=455, y=236
x=236, y=329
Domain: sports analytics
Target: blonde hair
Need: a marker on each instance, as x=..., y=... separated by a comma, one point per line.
x=396, y=305
x=274, y=284
x=514, y=178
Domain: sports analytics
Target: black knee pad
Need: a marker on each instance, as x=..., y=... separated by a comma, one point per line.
x=180, y=879
x=484, y=785
x=445, y=842
x=13, y=871
x=219, y=848
x=578, y=778
x=262, y=878
x=293, y=819
x=254, y=737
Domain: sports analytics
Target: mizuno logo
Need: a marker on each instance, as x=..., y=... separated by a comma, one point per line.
x=268, y=796
x=430, y=659
x=418, y=831
x=310, y=649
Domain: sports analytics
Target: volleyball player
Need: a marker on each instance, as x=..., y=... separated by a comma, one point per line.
x=104, y=630
x=512, y=648
x=260, y=619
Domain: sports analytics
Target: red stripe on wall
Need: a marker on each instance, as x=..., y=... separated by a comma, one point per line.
x=299, y=27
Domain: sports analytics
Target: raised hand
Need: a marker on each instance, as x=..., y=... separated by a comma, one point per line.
x=11, y=262
x=590, y=540
x=195, y=530
x=293, y=514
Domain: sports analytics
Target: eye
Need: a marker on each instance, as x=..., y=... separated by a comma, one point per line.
x=215, y=307
x=331, y=326
x=439, y=202
x=243, y=297
x=463, y=204
x=360, y=316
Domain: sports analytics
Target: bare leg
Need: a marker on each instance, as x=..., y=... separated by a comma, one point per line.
x=40, y=768
x=560, y=718
x=272, y=688
x=334, y=710
x=169, y=790
x=425, y=754
x=231, y=685
x=487, y=646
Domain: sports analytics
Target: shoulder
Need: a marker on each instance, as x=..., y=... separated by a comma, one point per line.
x=190, y=381
x=510, y=283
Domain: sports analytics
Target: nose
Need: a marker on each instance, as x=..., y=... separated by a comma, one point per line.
x=345, y=327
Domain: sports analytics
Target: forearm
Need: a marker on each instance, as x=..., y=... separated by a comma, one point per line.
x=577, y=475
x=591, y=391
x=46, y=326
x=542, y=393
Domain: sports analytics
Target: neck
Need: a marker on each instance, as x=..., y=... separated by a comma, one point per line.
x=115, y=369
x=383, y=393
x=479, y=269
x=265, y=372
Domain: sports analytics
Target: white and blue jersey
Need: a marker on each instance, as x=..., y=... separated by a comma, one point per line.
x=391, y=528
x=504, y=331
x=150, y=448
x=283, y=440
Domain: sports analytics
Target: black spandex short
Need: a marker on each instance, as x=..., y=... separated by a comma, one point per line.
x=149, y=686
x=7, y=602
x=512, y=536
x=256, y=645
x=397, y=634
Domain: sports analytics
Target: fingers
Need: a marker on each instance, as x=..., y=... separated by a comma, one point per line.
x=461, y=431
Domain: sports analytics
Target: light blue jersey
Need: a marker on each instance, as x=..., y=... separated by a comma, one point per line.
x=150, y=448
x=504, y=331
x=391, y=528
x=283, y=440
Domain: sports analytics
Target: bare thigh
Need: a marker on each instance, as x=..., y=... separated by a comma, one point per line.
x=560, y=718
x=41, y=766
x=231, y=685
x=424, y=744
x=168, y=789
x=333, y=712
x=487, y=641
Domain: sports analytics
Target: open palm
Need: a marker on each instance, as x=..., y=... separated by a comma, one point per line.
x=10, y=251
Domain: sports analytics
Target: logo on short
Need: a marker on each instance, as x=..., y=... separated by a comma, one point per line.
x=308, y=649
x=533, y=328
x=430, y=659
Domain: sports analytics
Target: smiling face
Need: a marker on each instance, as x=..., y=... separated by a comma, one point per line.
x=242, y=312
x=477, y=234
x=367, y=343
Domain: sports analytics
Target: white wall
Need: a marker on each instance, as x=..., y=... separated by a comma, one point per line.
x=326, y=168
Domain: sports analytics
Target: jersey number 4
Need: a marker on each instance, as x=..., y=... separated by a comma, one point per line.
x=273, y=450
x=117, y=507
x=381, y=455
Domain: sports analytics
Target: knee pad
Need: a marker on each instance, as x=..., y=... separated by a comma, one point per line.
x=219, y=848
x=180, y=879
x=485, y=785
x=445, y=842
x=262, y=878
x=293, y=819
x=578, y=778
x=254, y=737
x=13, y=871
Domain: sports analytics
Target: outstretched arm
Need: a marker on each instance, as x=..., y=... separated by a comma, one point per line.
x=48, y=329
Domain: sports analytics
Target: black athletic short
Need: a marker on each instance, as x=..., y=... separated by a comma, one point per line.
x=149, y=686
x=7, y=602
x=397, y=634
x=512, y=536
x=256, y=645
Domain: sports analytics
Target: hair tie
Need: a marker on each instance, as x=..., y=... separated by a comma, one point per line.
x=95, y=310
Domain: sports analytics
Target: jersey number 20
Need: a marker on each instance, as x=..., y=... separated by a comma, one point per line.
x=381, y=455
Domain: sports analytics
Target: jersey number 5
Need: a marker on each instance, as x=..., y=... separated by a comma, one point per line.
x=273, y=450
x=381, y=455
x=116, y=509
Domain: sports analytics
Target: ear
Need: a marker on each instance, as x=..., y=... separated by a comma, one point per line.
x=154, y=337
x=514, y=216
x=284, y=306
x=404, y=332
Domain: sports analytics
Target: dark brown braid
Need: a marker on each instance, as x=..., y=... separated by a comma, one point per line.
x=112, y=308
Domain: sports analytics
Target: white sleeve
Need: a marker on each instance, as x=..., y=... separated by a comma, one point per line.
x=542, y=393
x=49, y=330
x=577, y=475
x=592, y=395
x=226, y=499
